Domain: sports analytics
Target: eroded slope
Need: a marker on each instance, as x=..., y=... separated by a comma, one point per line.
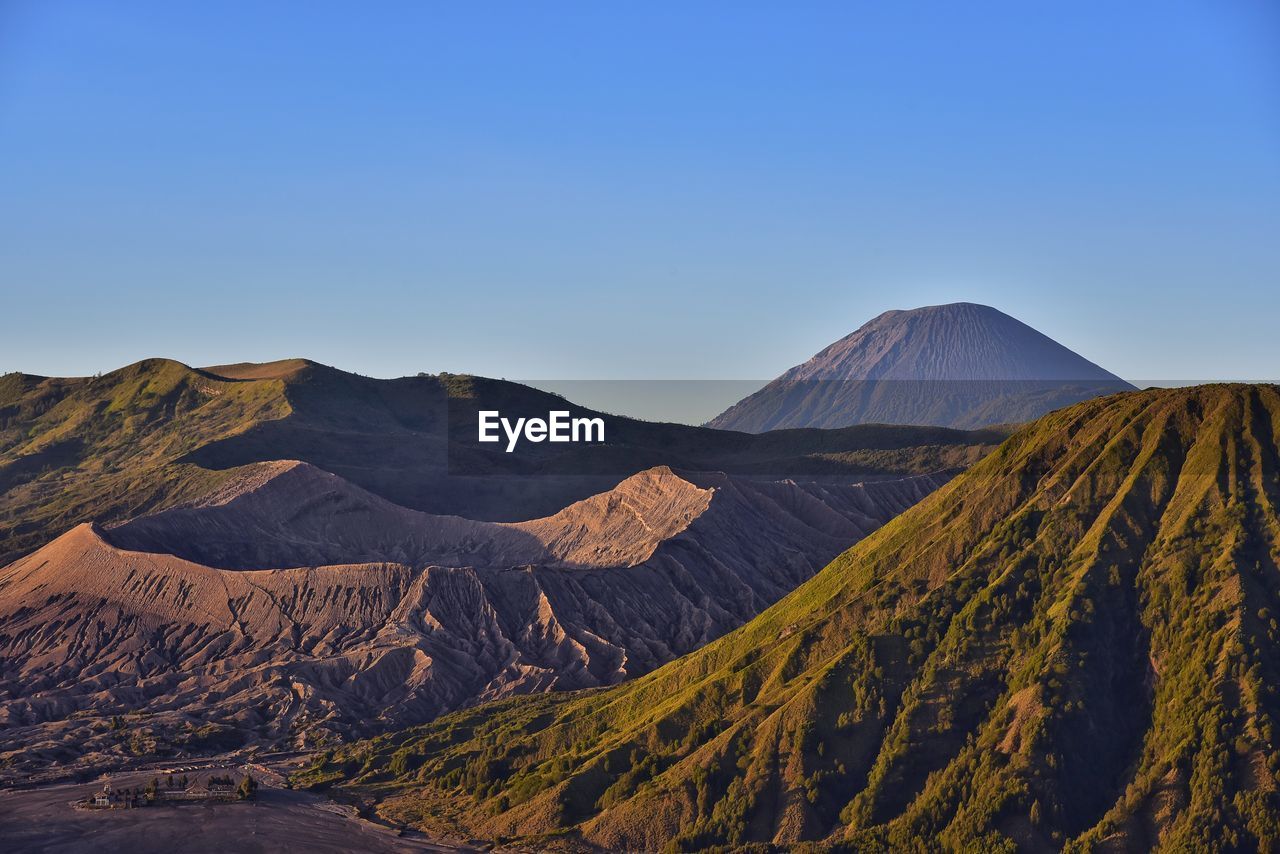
x=388, y=616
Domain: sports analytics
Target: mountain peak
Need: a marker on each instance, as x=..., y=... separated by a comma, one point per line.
x=959, y=364
x=941, y=308
x=957, y=341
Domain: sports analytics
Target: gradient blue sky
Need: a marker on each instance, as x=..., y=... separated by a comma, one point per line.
x=641, y=190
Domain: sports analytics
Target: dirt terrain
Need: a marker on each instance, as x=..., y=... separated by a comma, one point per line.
x=289, y=514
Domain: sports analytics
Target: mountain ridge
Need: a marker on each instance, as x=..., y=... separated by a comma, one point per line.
x=156, y=434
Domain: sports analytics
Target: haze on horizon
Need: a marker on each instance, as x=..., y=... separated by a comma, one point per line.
x=583, y=192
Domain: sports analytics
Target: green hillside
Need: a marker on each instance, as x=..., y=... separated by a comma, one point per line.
x=1073, y=645
x=158, y=433
x=110, y=447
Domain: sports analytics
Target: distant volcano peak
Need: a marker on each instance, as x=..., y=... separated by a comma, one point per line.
x=957, y=341
x=955, y=365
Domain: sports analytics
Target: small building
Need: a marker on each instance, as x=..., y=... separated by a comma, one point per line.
x=223, y=789
x=118, y=799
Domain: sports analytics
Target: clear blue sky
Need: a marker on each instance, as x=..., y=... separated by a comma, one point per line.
x=633, y=190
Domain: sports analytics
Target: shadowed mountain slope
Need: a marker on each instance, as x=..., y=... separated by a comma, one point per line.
x=956, y=365
x=1072, y=644
x=159, y=434
x=388, y=616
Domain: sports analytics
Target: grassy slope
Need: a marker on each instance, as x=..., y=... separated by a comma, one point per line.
x=157, y=433
x=106, y=447
x=1072, y=644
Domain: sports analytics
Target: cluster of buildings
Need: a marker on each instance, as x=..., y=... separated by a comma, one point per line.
x=214, y=788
